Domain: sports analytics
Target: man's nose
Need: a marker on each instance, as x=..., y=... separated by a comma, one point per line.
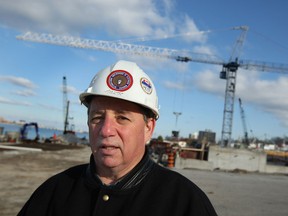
x=108, y=127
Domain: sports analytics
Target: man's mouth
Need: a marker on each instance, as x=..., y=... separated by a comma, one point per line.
x=108, y=150
x=108, y=147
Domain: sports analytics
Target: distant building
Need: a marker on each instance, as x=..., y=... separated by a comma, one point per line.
x=175, y=134
x=193, y=136
x=208, y=135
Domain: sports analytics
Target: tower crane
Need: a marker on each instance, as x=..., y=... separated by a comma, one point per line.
x=65, y=106
x=242, y=113
x=229, y=68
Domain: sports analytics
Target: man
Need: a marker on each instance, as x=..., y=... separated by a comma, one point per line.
x=120, y=179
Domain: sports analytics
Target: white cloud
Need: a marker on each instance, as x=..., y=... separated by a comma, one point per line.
x=25, y=93
x=13, y=102
x=18, y=81
x=73, y=90
x=70, y=90
x=208, y=81
x=49, y=107
x=267, y=95
x=204, y=49
x=174, y=85
x=121, y=18
x=271, y=93
x=191, y=32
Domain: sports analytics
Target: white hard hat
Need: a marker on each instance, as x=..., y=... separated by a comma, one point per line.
x=124, y=80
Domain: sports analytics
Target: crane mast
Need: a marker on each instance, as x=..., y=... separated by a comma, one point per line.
x=229, y=69
x=65, y=105
x=229, y=73
x=242, y=113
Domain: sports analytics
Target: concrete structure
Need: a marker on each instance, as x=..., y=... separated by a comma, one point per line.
x=230, y=159
x=237, y=159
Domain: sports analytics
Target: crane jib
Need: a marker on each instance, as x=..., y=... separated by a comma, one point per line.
x=228, y=72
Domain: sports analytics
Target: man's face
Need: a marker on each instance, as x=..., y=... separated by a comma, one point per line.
x=117, y=133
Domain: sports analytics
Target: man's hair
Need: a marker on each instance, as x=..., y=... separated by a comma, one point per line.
x=147, y=113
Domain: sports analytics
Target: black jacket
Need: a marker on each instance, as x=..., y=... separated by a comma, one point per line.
x=147, y=190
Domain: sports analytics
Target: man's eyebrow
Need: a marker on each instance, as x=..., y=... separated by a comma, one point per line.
x=93, y=112
x=122, y=111
x=118, y=111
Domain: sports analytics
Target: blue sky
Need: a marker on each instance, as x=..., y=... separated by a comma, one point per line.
x=31, y=73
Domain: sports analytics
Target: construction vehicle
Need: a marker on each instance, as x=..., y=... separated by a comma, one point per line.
x=24, y=132
x=229, y=68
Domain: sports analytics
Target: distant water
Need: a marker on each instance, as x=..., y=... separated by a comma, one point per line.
x=44, y=133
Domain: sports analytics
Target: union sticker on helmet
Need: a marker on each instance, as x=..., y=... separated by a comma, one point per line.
x=146, y=85
x=119, y=80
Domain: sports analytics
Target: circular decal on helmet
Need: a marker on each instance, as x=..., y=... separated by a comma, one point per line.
x=119, y=80
x=146, y=85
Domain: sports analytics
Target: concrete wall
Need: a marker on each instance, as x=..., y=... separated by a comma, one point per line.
x=276, y=169
x=184, y=163
x=230, y=159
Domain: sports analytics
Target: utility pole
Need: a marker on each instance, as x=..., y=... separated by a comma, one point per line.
x=177, y=114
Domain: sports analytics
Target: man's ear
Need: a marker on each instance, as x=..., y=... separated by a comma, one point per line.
x=149, y=128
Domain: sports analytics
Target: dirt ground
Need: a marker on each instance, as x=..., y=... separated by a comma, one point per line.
x=232, y=194
x=23, y=171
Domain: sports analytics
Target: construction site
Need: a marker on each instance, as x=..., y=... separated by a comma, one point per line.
x=248, y=191
x=176, y=151
x=214, y=163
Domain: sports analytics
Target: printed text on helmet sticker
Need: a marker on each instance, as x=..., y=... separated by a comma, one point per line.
x=119, y=80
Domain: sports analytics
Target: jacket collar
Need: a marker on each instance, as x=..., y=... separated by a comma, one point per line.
x=131, y=179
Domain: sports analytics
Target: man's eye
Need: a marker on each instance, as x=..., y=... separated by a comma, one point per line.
x=96, y=119
x=122, y=118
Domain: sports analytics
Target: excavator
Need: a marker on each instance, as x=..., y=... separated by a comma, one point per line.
x=24, y=132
